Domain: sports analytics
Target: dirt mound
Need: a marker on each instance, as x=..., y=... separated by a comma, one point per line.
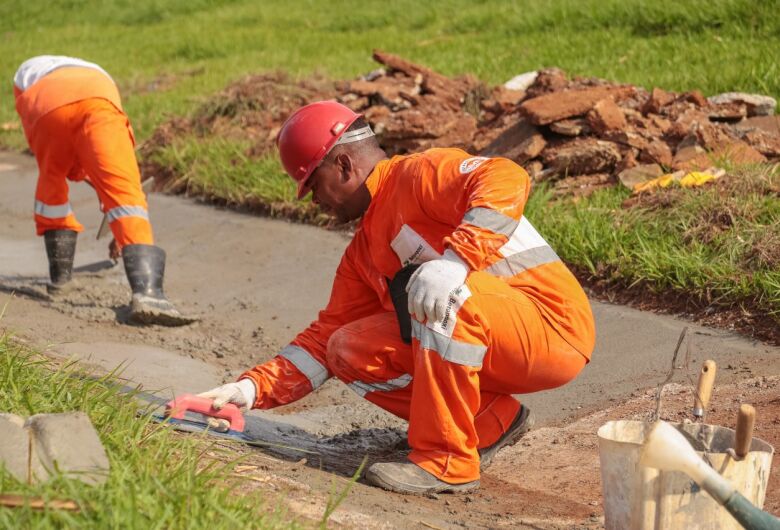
x=580, y=132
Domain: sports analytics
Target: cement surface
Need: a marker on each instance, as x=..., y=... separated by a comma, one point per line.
x=255, y=283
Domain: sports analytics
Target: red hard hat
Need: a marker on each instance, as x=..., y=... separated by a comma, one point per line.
x=308, y=135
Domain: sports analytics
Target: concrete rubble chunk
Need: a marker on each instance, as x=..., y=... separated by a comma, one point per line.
x=757, y=105
x=583, y=185
x=657, y=152
x=606, y=116
x=736, y=151
x=569, y=103
x=519, y=142
x=639, y=174
x=67, y=442
x=570, y=127
x=657, y=100
x=763, y=142
x=769, y=124
x=522, y=81
x=14, y=446
x=582, y=156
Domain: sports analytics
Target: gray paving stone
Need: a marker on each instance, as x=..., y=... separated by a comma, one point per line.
x=14, y=446
x=69, y=443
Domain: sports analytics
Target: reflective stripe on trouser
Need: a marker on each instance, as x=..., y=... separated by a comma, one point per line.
x=89, y=137
x=455, y=406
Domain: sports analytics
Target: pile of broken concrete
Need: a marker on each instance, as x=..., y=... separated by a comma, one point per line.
x=581, y=133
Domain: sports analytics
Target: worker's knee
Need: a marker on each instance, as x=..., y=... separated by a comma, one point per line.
x=340, y=347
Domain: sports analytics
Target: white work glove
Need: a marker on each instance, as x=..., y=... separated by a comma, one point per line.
x=430, y=286
x=241, y=394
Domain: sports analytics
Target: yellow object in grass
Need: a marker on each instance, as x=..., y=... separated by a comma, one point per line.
x=686, y=180
x=695, y=178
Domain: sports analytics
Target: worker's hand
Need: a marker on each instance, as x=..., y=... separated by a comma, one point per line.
x=241, y=394
x=114, y=252
x=430, y=286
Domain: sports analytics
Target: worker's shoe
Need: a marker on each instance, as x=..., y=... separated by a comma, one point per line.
x=405, y=477
x=60, y=249
x=145, y=268
x=522, y=423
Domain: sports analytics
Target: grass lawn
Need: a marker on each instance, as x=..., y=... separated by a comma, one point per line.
x=166, y=55
x=158, y=479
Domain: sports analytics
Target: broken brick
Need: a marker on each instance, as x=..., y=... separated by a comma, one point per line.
x=770, y=124
x=657, y=100
x=582, y=156
x=570, y=127
x=520, y=142
x=765, y=143
x=560, y=105
x=736, y=151
x=606, y=116
x=657, y=152
x=583, y=185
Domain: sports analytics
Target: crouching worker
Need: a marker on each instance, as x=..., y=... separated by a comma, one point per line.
x=494, y=311
x=75, y=126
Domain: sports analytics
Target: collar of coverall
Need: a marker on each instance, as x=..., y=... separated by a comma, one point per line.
x=376, y=177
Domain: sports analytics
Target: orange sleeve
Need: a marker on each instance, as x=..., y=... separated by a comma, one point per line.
x=483, y=197
x=301, y=366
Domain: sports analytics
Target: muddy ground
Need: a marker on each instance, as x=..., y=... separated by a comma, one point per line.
x=255, y=282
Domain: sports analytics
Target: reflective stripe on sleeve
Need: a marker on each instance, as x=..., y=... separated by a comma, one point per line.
x=53, y=211
x=361, y=388
x=491, y=220
x=522, y=261
x=306, y=363
x=448, y=349
x=127, y=211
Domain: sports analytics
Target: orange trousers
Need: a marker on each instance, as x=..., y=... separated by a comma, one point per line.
x=455, y=400
x=90, y=139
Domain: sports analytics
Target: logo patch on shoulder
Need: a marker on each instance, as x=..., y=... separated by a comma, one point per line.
x=470, y=164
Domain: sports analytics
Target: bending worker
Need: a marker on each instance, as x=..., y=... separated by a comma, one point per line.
x=75, y=126
x=494, y=311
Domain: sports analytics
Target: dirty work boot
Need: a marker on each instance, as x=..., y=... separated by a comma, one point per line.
x=145, y=268
x=60, y=249
x=405, y=477
x=521, y=425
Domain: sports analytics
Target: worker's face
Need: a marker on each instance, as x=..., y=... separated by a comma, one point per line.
x=334, y=185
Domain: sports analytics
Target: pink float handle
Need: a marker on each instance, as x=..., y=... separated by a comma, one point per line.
x=190, y=402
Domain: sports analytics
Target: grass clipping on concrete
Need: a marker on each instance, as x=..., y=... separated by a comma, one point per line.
x=158, y=479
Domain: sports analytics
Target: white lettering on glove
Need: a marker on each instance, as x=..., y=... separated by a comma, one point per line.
x=430, y=286
x=241, y=394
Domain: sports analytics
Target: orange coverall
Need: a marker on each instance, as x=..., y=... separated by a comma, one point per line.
x=76, y=128
x=521, y=323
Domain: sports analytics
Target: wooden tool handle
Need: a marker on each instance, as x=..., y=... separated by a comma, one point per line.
x=745, y=421
x=704, y=389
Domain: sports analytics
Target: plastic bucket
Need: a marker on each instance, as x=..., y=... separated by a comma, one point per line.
x=640, y=498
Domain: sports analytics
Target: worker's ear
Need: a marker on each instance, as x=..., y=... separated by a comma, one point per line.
x=346, y=166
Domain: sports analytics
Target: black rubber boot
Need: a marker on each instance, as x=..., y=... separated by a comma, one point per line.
x=145, y=268
x=60, y=249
